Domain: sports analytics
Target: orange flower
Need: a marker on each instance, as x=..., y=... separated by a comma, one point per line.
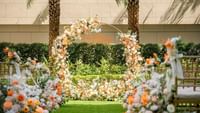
x=169, y=44
x=37, y=102
x=144, y=98
x=59, y=92
x=126, y=41
x=7, y=105
x=58, y=85
x=33, y=62
x=130, y=99
x=51, y=98
x=5, y=50
x=30, y=102
x=61, y=74
x=10, y=55
x=10, y=92
x=157, y=62
x=15, y=82
x=59, y=89
x=39, y=110
x=20, y=97
x=148, y=61
x=25, y=109
x=65, y=41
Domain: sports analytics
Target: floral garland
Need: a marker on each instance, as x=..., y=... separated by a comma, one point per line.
x=133, y=56
x=61, y=43
x=133, y=59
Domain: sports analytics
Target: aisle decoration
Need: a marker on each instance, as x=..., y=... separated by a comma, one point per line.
x=155, y=95
x=30, y=88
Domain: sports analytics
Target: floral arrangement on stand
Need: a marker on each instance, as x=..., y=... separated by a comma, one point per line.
x=61, y=43
x=30, y=89
x=155, y=95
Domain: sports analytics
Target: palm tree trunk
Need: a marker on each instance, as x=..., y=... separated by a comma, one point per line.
x=133, y=16
x=54, y=22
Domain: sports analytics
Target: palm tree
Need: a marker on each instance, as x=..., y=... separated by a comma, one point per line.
x=132, y=7
x=54, y=20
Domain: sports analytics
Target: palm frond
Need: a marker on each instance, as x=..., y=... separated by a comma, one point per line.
x=122, y=2
x=29, y=3
x=42, y=16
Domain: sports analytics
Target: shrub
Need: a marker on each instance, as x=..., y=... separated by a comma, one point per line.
x=148, y=49
x=35, y=50
x=93, y=53
x=117, y=54
x=79, y=68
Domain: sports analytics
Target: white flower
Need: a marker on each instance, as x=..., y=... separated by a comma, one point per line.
x=148, y=111
x=11, y=111
x=154, y=107
x=124, y=105
x=171, y=108
x=137, y=98
x=45, y=111
x=16, y=108
x=165, y=91
x=129, y=111
x=57, y=106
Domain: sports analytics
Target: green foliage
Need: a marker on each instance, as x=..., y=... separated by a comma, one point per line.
x=89, y=78
x=188, y=48
x=105, y=67
x=117, y=54
x=88, y=53
x=84, y=69
x=35, y=50
x=147, y=50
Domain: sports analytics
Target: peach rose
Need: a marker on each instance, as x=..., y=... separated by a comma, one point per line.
x=7, y=105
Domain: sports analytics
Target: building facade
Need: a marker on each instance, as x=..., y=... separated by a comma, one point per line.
x=159, y=19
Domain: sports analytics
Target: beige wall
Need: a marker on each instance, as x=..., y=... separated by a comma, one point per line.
x=148, y=33
x=150, y=12
x=16, y=12
x=169, y=11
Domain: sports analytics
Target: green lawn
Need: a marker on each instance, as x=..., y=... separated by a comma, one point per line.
x=91, y=107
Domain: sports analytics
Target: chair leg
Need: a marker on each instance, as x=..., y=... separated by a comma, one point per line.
x=198, y=109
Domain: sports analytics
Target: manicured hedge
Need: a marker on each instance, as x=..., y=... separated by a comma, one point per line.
x=93, y=53
x=35, y=50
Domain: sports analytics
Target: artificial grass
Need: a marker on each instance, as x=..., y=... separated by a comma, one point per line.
x=91, y=107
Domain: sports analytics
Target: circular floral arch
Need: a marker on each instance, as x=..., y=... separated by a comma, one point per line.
x=74, y=32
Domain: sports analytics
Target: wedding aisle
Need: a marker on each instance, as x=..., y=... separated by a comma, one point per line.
x=91, y=107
